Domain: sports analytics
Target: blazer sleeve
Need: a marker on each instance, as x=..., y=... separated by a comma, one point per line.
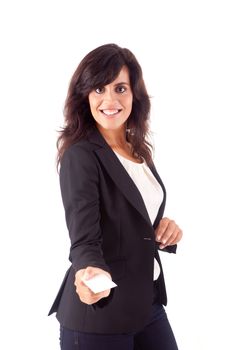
x=169, y=249
x=80, y=195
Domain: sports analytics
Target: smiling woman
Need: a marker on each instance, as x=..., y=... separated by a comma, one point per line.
x=108, y=82
x=114, y=211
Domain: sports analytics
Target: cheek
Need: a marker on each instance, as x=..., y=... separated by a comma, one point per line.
x=129, y=103
x=92, y=104
x=93, y=112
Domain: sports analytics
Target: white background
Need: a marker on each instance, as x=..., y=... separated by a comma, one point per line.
x=185, y=50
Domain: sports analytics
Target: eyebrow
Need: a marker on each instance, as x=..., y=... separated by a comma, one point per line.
x=121, y=83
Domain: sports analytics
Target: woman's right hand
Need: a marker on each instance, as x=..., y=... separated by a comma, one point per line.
x=84, y=293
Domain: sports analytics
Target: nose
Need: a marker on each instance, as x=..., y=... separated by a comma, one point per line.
x=109, y=95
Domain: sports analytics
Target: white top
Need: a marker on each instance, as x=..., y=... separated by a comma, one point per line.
x=150, y=189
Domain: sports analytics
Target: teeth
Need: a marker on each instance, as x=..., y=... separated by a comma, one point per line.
x=110, y=111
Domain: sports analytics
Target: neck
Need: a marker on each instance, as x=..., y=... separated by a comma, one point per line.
x=114, y=138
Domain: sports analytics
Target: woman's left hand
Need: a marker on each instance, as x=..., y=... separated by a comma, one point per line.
x=167, y=233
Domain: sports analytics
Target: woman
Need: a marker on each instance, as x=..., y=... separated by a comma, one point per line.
x=114, y=201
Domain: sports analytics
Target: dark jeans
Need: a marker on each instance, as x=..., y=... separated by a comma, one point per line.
x=157, y=335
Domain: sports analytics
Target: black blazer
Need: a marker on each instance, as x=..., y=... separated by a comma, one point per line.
x=109, y=228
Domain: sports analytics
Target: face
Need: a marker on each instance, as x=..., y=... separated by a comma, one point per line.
x=111, y=104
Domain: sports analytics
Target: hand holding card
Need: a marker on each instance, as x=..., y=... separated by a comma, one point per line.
x=99, y=283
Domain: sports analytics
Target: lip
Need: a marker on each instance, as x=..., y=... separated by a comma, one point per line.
x=110, y=113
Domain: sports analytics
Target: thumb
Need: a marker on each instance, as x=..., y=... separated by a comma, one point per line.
x=88, y=273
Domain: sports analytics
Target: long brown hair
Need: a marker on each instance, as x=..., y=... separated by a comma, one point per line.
x=99, y=68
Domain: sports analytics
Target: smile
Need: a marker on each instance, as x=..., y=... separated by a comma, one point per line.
x=110, y=112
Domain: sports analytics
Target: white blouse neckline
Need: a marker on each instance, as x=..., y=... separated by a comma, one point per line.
x=129, y=160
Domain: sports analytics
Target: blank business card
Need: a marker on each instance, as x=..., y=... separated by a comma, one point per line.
x=99, y=283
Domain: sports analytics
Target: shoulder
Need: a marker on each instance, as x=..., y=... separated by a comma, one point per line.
x=79, y=150
x=79, y=156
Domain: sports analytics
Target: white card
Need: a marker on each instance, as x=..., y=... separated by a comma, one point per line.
x=99, y=283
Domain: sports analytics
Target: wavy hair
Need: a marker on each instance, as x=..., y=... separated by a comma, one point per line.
x=99, y=68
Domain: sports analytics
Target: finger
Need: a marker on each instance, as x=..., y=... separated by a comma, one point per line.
x=79, y=284
x=81, y=287
x=167, y=242
x=177, y=238
x=173, y=239
x=173, y=236
x=106, y=293
x=89, y=273
x=85, y=294
x=83, y=290
x=161, y=229
x=91, y=298
x=169, y=232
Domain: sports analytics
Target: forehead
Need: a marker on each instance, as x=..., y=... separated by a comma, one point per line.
x=123, y=76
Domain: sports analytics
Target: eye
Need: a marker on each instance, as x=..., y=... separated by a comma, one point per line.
x=121, y=89
x=99, y=90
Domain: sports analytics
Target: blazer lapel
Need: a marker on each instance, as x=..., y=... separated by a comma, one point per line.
x=120, y=176
x=162, y=207
x=123, y=180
